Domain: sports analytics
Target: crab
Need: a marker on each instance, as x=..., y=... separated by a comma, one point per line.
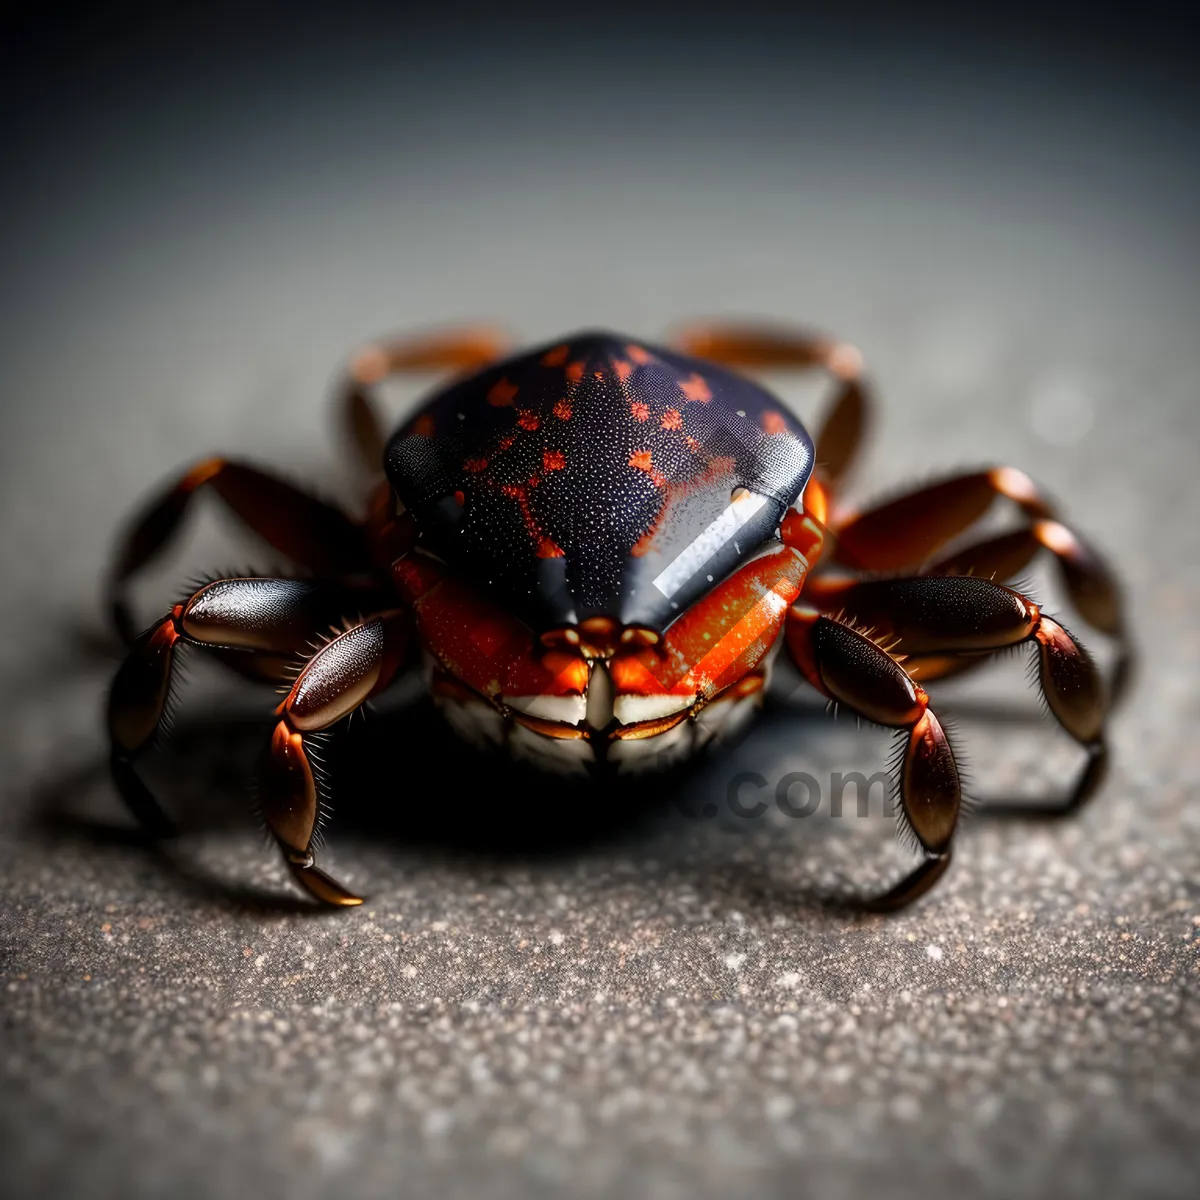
x=594, y=550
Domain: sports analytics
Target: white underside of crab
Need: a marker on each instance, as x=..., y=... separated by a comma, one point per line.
x=579, y=732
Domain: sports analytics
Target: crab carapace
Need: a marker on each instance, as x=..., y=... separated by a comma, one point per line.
x=595, y=548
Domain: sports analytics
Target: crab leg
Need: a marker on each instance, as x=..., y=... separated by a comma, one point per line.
x=465, y=349
x=907, y=532
x=265, y=622
x=1089, y=582
x=851, y=669
x=764, y=347
x=947, y=616
x=338, y=679
x=313, y=534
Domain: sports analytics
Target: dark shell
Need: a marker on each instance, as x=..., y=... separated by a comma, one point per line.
x=594, y=477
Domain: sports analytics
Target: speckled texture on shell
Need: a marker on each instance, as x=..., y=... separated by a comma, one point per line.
x=567, y=479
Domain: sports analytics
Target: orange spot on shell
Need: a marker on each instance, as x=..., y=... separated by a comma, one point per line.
x=641, y=460
x=623, y=369
x=562, y=410
x=671, y=419
x=504, y=443
x=553, y=460
x=574, y=372
x=695, y=388
x=643, y=544
x=556, y=357
x=545, y=547
x=691, y=443
x=475, y=465
x=528, y=419
x=774, y=422
x=639, y=356
x=639, y=410
x=423, y=426
x=501, y=393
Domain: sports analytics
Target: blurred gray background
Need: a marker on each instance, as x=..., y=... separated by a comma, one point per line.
x=203, y=212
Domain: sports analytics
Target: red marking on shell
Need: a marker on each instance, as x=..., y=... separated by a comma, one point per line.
x=691, y=443
x=774, y=422
x=598, y=374
x=501, y=393
x=671, y=419
x=639, y=356
x=546, y=673
x=553, y=460
x=423, y=426
x=639, y=410
x=480, y=645
x=528, y=419
x=725, y=634
x=475, y=465
x=460, y=497
x=574, y=372
x=641, y=460
x=623, y=369
x=546, y=547
x=695, y=388
x=556, y=357
x=643, y=544
x=562, y=410
x=504, y=443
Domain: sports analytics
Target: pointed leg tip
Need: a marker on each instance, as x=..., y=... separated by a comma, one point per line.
x=912, y=887
x=324, y=887
x=138, y=798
